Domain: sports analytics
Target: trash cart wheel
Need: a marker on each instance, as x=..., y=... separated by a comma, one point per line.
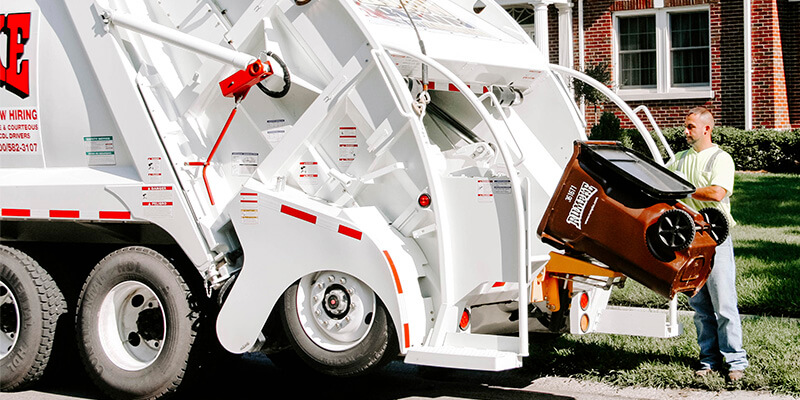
x=718, y=222
x=674, y=231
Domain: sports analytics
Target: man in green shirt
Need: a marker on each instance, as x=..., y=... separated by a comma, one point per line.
x=711, y=170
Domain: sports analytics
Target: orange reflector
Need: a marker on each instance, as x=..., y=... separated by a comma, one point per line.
x=584, y=323
x=584, y=300
x=464, y=323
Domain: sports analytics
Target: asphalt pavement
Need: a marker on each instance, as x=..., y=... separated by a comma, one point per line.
x=256, y=377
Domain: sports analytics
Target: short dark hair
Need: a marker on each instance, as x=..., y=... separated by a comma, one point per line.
x=703, y=112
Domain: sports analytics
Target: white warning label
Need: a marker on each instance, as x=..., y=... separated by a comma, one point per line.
x=244, y=164
x=20, y=131
x=154, y=174
x=488, y=189
x=248, y=203
x=99, y=150
x=348, y=145
x=157, y=201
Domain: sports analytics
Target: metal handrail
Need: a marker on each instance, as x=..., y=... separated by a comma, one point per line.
x=659, y=134
x=626, y=109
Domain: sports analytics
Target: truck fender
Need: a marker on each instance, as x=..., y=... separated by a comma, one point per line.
x=285, y=239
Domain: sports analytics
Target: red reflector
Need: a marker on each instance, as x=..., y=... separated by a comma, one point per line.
x=299, y=214
x=464, y=323
x=499, y=284
x=584, y=300
x=115, y=215
x=407, y=335
x=13, y=212
x=350, y=232
x=65, y=214
x=424, y=200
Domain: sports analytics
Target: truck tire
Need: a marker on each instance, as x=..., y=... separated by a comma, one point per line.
x=135, y=325
x=337, y=325
x=30, y=304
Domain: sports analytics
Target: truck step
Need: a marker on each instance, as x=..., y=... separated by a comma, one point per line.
x=464, y=358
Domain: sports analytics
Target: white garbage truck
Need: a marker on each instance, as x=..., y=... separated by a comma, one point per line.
x=343, y=182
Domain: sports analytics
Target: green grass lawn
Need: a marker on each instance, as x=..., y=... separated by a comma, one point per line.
x=767, y=248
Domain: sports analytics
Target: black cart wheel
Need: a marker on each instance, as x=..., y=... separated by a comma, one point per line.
x=673, y=231
x=336, y=324
x=718, y=222
x=135, y=324
x=30, y=304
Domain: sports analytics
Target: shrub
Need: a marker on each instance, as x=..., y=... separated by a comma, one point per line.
x=760, y=149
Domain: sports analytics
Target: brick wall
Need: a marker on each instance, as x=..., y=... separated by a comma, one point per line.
x=770, y=100
x=776, y=60
x=598, y=26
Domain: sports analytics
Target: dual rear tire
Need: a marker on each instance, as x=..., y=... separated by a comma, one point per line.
x=135, y=325
x=30, y=305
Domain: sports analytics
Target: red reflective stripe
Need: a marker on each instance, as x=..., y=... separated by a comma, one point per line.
x=65, y=214
x=115, y=215
x=452, y=88
x=249, y=194
x=350, y=232
x=485, y=89
x=394, y=272
x=431, y=85
x=407, y=335
x=298, y=214
x=15, y=212
x=498, y=284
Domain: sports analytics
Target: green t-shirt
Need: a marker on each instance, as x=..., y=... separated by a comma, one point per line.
x=696, y=169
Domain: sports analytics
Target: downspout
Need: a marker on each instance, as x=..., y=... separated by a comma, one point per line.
x=581, y=49
x=748, y=66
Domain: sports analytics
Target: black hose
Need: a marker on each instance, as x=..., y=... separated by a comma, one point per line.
x=287, y=81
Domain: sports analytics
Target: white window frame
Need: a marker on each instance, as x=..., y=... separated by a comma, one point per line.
x=664, y=89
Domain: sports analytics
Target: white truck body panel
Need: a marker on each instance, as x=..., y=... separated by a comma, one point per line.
x=327, y=178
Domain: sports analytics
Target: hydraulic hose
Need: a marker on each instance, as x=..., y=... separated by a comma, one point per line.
x=287, y=80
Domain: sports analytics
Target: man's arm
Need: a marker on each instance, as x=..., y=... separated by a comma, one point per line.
x=710, y=193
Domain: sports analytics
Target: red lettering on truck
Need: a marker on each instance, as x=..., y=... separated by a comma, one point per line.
x=14, y=75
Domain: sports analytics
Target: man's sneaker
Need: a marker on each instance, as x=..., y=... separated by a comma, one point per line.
x=736, y=375
x=702, y=372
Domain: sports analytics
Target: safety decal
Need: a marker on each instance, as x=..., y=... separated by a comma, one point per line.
x=244, y=164
x=582, y=197
x=276, y=130
x=248, y=206
x=154, y=174
x=99, y=150
x=348, y=145
x=309, y=173
x=157, y=201
x=485, y=193
x=488, y=189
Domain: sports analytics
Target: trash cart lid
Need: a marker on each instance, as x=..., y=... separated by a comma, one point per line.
x=630, y=167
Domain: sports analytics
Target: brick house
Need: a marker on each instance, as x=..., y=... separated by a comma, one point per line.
x=671, y=55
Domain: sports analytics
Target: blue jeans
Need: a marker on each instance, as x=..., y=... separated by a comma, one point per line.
x=719, y=328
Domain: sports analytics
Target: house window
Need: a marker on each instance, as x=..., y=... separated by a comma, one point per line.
x=690, y=50
x=525, y=16
x=663, y=53
x=637, y=51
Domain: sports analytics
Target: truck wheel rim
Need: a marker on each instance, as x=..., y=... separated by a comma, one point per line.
x=335, y=310
x=132, y=326
x=9, y=320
